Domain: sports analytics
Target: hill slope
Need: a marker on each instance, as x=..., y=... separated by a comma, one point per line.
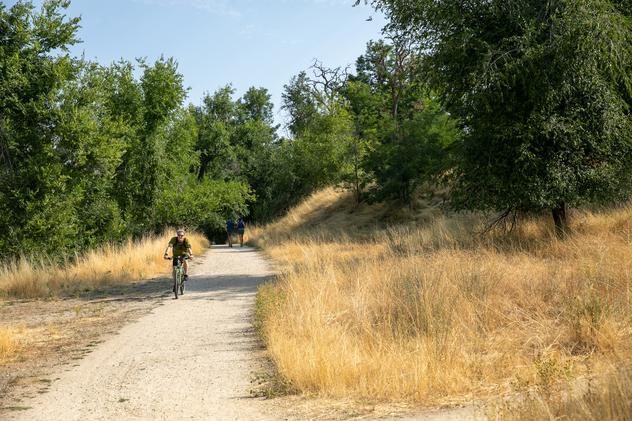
x=431, y=311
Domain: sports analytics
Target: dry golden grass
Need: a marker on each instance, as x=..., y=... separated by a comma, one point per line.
x=427, y=312
x=609, y=400
x=111, y=264
x=10, y=343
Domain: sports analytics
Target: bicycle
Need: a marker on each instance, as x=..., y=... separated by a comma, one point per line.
x=178, y=274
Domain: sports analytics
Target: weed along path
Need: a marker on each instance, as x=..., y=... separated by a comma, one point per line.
x=191, y=358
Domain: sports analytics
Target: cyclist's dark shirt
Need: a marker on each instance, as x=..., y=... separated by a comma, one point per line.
x=179, y=249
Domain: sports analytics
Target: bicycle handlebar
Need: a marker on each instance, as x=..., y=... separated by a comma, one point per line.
x=177, y=257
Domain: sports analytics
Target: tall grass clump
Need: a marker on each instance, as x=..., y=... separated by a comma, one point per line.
x=10, y=343
x=111, y=264
x=423, y=313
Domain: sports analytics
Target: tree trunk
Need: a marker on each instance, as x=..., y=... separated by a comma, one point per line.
x=560, y=219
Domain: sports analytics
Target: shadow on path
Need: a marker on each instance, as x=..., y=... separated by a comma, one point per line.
x=224, y=287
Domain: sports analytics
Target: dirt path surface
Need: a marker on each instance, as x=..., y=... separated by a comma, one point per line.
x=190, y=358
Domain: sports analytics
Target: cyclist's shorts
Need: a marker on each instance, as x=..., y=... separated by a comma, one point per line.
x=174, y=261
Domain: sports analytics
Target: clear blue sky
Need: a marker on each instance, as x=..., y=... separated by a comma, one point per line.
x=243, y=42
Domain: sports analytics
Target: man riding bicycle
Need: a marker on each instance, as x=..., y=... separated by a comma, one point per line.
x=181, y=248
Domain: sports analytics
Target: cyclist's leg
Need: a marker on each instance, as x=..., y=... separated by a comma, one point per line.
x=185, y=265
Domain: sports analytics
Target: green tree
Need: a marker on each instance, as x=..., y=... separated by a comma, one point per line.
x=320, y=153
x=215, y=120
x=255, y=105
x=254, y=132
x=124, y=103
x=364, y=108
x=91, y=154
x=543, y=91
x=37, y=207
x=163, y=94
x=299, y=103
x=90, y=146
x=321, y=129
x=402, y=133
x=184, y=199
x=143, y=107
x=179, y=139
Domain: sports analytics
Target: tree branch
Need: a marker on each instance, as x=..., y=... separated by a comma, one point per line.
x=507, y=220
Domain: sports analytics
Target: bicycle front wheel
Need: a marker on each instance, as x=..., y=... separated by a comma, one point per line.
x=176, y=283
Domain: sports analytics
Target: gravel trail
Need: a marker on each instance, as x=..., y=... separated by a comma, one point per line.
x=191, y=358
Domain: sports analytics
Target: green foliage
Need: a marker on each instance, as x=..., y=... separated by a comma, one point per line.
x=38, y=206
x=320, y=151
x=278, y=180
x=91, y=147
x=255, y=105
x=162, y=94
x=201, y=205
x=90, y=154
x=378, y=132
x=215, y=121
x=543, y=92
x=235, y=140
x=178, y=140
x=253, y=134
x=402, y=136
x=299, y=103
x=412, y=153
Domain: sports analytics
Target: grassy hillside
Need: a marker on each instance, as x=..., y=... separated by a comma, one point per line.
x=428, y=310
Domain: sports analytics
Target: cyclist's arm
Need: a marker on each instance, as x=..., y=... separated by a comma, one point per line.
x=190, y=252
x=167, y=250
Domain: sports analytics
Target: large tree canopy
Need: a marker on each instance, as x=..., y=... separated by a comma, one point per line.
x=542, y=89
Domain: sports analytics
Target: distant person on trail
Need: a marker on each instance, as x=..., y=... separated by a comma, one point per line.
x=241, y=228
x=180, y=247
x=230, y=227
